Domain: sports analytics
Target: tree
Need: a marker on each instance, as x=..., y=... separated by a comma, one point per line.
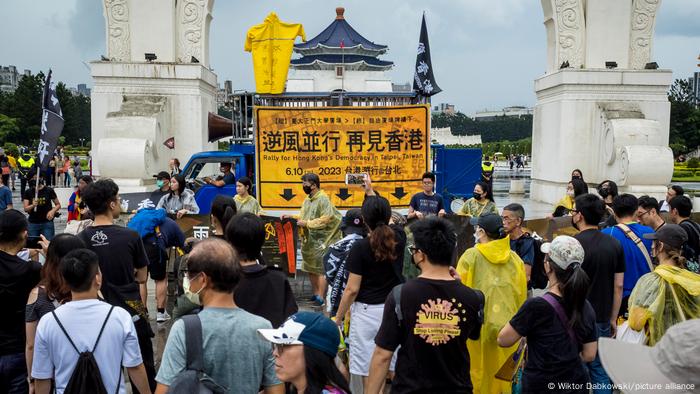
x=9, y=130
x=501, y=128
x=685, y=118
x=24, y=105
x=70, y=112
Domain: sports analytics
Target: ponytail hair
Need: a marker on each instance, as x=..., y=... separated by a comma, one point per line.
x=376, y=212
x=223, y=208
x=674, y=254
x=573, y=283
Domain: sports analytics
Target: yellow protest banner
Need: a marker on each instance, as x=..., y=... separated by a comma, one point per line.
x=391, y=144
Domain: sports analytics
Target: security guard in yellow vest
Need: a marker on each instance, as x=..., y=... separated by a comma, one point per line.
x=25, y=164
x=487, y=171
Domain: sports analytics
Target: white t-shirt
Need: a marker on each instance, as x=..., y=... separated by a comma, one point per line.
x=83, y=320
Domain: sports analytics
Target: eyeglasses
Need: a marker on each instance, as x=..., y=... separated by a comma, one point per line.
x=279, y=347
x=639, y=215
x=412, y=249
x=428, y=183
x=191, y=275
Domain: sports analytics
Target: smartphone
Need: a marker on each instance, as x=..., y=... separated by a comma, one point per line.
x=33, y=242
x=355, y=179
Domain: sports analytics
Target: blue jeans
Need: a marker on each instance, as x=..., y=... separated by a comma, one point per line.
x=13, y=374
x=595, y=368
x=46, y=229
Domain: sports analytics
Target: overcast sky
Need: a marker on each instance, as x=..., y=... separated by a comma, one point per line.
x=486, y=53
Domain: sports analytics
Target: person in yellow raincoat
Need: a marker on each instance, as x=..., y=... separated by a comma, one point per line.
x=244, y=201
x=319, y=222
x=271, y=44
x=668, y=295
x=493, y=268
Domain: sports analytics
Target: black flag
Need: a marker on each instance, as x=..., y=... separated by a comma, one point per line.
x=423, y=80
x=51, y=123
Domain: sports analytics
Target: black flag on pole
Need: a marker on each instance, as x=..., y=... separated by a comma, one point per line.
x=51, y=124
x=423, y=79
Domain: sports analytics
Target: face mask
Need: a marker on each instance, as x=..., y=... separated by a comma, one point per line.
x=604, y=192
x=413, y=260
x=573, y=223
x=193, y=297
x=307, y=189
x=160, y=183
x=570, y=193
x=477, y=196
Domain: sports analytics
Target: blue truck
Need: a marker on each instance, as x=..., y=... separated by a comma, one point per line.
x=457, y=170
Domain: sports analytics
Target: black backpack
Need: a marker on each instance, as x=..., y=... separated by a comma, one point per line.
x=193, y=380
x=692, y=256
x=538, y=279
x=86, y=377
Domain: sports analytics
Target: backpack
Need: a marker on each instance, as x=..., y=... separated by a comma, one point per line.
x=154, y=245
x=538, y=279
x=692, y=256
x=193, y=380
x=86, y=377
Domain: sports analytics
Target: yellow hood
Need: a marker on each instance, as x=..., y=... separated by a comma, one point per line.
x=683, y=278
x=496, y=252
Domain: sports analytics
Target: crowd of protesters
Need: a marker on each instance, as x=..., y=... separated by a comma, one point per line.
x=512, y=313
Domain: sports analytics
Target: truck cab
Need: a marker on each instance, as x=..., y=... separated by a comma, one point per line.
x=207, y=164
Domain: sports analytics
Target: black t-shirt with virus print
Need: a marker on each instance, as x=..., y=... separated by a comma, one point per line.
x=438, y=318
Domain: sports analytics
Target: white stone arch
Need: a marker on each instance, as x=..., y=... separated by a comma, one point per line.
x=565, y=24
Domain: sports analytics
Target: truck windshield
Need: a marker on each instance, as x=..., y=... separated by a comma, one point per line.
x=207, y=167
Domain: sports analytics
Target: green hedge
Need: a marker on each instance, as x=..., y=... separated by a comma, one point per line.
x=693, y=163
x=682, y=174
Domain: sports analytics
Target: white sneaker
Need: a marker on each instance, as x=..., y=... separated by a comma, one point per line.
x=162, y=317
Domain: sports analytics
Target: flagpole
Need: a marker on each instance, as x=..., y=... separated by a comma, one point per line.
x=38, y=167
x=342, y=79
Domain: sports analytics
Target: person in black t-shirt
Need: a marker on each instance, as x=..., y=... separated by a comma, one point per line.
x=608, y=191
x=559, y=326
x=438, y=315
x=427, y=202
x=17, y=279
x=261, y=291
x=123, y=262
x=605, y=266
x=680, y=210
x=40, y=209
x=648, y=213
x=375, y=264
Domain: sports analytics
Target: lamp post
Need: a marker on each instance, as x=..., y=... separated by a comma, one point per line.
x=82, y=140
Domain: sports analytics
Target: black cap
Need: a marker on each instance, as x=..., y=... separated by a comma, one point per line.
x=491, y=223
x=353, y=223
x=162, y=175
x=672, y=235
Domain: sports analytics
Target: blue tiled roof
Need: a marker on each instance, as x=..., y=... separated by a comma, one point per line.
x=338, y=59
x=340, y=30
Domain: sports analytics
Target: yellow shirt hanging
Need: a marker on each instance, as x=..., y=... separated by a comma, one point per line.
x=271, y=44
